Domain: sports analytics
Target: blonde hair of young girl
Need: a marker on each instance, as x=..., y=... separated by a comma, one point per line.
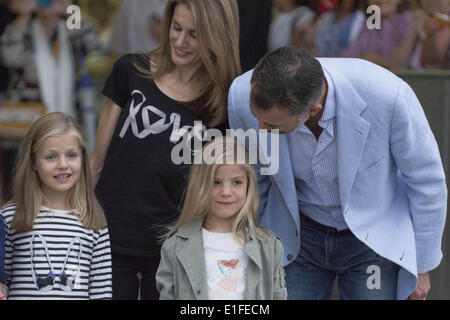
x=27, y=193
x=217, y=31
x=222, y=150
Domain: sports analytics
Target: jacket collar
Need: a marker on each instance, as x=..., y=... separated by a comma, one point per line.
x=352, y=130
x=187, y=230
x=192, y=256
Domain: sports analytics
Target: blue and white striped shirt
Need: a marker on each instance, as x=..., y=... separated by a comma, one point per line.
x=315, y=167
x=86, y=263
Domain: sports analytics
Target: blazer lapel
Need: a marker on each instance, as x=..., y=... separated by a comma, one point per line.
x=281, y=173
x=352, y=132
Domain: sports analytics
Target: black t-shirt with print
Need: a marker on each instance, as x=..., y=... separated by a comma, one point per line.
x=140, y=187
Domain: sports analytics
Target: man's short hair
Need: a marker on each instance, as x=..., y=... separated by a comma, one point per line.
x=288, y=78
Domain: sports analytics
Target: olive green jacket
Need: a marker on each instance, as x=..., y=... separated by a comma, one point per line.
x=182, y=271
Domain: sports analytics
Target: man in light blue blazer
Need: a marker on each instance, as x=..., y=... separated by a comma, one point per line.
x=360, y=192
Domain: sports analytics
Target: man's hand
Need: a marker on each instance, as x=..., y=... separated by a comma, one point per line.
x=423, y=286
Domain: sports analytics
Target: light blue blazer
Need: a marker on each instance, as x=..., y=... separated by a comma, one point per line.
x=391, y=180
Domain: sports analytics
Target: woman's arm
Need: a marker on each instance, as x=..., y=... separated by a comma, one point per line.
x=109, y=116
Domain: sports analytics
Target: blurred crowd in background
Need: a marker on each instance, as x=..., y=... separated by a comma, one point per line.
x=414, y=34
x=41, y=60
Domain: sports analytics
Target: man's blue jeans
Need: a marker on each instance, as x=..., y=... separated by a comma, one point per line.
x=325, y=254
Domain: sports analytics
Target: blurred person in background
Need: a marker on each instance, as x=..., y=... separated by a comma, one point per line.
x=137, y=26
x=43, y=58
x=43, y=55
x=324, y=6
x=6, y=17
x=152, y=102
x=102, y=14
x=336, y=30
x=377, y=45
x=427, y=45
x=291, y=23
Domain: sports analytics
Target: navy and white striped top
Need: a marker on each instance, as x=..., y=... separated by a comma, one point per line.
x=88, y=259
x=315, y=167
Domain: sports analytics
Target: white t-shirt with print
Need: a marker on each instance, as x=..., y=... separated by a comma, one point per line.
x=225, y=266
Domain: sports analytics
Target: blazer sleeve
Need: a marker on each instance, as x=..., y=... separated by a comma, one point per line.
x=416, y=154
x=164, y=276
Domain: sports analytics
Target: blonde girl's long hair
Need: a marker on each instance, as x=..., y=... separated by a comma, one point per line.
x=222, y=150
x=27, y=193
x=217, y=32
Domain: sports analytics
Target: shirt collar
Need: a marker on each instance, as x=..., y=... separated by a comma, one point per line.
x=330, y=102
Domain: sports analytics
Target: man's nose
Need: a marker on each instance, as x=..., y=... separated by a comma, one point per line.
x=62, y=162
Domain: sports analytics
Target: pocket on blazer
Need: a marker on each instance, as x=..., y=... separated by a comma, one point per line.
x=370, y=166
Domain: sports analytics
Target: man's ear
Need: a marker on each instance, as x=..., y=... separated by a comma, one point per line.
x=316, y=109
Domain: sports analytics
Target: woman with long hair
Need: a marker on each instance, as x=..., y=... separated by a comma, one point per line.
x=152, y=101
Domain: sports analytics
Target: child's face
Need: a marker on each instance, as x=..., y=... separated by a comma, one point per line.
x=228, y=195
x=58, y=164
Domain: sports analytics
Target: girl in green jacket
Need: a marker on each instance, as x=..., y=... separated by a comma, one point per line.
x=216, y=250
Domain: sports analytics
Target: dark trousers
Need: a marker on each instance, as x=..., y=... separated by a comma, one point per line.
x=325, y=254
x=127, y=284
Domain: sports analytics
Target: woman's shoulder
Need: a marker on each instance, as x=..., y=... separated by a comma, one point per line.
x=131, y=60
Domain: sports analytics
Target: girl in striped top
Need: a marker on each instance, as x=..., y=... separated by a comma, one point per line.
x=57, y=242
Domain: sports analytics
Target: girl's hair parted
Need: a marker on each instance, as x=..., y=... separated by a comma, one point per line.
x=27, y=193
